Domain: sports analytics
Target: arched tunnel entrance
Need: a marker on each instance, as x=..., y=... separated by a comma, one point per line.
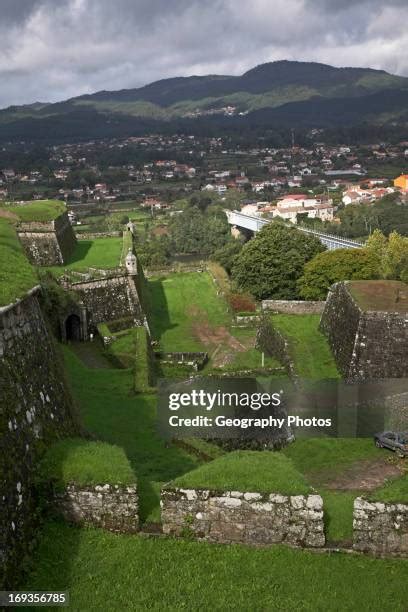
x=73, y=328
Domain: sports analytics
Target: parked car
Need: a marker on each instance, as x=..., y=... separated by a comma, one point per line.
x=394, y=440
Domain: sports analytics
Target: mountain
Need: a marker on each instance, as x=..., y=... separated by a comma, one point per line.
x=275, y=93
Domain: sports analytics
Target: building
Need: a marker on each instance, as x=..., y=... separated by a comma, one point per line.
x=401, y=182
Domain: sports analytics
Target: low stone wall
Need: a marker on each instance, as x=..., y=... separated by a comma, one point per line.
x=95, y=235
x=293, y=306
x=112, y=507
x=195, y=360
x=380, y=527
x=246, y=517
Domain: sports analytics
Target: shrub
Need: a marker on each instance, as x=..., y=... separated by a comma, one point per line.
x=241, y=302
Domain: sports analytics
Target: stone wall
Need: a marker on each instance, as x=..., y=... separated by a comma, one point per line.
x=249, y=518
x=380, y=528
x=108, y=299
x=111, y=507
x=35, y=409
x=293, y=306
x=365, y=344
x=47, y=244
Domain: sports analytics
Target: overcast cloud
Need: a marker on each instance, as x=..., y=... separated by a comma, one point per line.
x=55, y=49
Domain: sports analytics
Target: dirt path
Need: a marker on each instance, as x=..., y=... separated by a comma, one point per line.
x=217, y=339
x=366, y=475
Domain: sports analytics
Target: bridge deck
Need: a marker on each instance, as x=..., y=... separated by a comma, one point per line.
x=254, y=224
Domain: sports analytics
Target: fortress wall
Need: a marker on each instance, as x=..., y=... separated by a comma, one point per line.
x=48, y=244
x=110, y=298
x=365, y=344
x=339, y=322
x=35, y=409
x=381, y=347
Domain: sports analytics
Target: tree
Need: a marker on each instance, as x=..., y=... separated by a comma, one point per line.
x=270, y=264
x=391, y=254
x=333, y=266
x=227, y=254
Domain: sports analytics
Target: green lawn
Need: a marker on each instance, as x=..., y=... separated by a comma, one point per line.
x=98, y=253
x=40, y=210
x=104, y=571
x=325, y=458
x=259, y=471
x=393, y=491
x=182, y=306
x=16, y=274
x=308, y=346
x=110, y=411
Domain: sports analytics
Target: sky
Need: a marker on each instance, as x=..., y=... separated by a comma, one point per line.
x=56, y=49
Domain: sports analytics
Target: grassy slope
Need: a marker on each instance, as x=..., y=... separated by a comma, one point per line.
x=309, y=348
x=258, y=471
x=116, y=572
x=41, y=210
x=16, y=274
x=98, y=253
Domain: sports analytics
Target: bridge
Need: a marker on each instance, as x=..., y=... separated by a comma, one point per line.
x=254, y=224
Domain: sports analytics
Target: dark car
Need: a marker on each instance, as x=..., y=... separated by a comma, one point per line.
x=394, y=440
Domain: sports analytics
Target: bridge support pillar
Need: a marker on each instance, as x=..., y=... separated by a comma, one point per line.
x=236, y=232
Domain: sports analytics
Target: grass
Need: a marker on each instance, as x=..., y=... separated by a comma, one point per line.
x=324, y=458
x=86, y=463
x=16, y=274
x=40, y=210
x=98, y=253
x=384, y=296
x=394, y=491
x=338, y=514
x=252, y=357
x=110, y=410
x=260, y=471
x=308, y=347
x=103, y=571
x=180, y=303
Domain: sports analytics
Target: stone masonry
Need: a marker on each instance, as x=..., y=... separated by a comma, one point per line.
x=245, y=517
x=47, y=243
x=366, y=343
x=108, y=299
x=111, y=507
x=380, y=528
x=35, y=409
x=293, y=306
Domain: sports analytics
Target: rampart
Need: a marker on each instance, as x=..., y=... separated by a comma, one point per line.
x=380, y=528
x=35, y=409
x=47, y=243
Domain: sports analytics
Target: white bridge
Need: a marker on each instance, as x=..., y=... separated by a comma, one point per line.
x=254, y=224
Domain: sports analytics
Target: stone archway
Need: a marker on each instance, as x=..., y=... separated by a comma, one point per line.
x=73, y=328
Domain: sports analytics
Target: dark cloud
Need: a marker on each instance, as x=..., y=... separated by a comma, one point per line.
x=55, y=49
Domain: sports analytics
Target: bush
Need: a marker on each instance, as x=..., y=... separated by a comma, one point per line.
x=333, y=266
x=241, y=302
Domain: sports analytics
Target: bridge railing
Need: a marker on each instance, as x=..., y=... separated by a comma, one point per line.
x=322, y=235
